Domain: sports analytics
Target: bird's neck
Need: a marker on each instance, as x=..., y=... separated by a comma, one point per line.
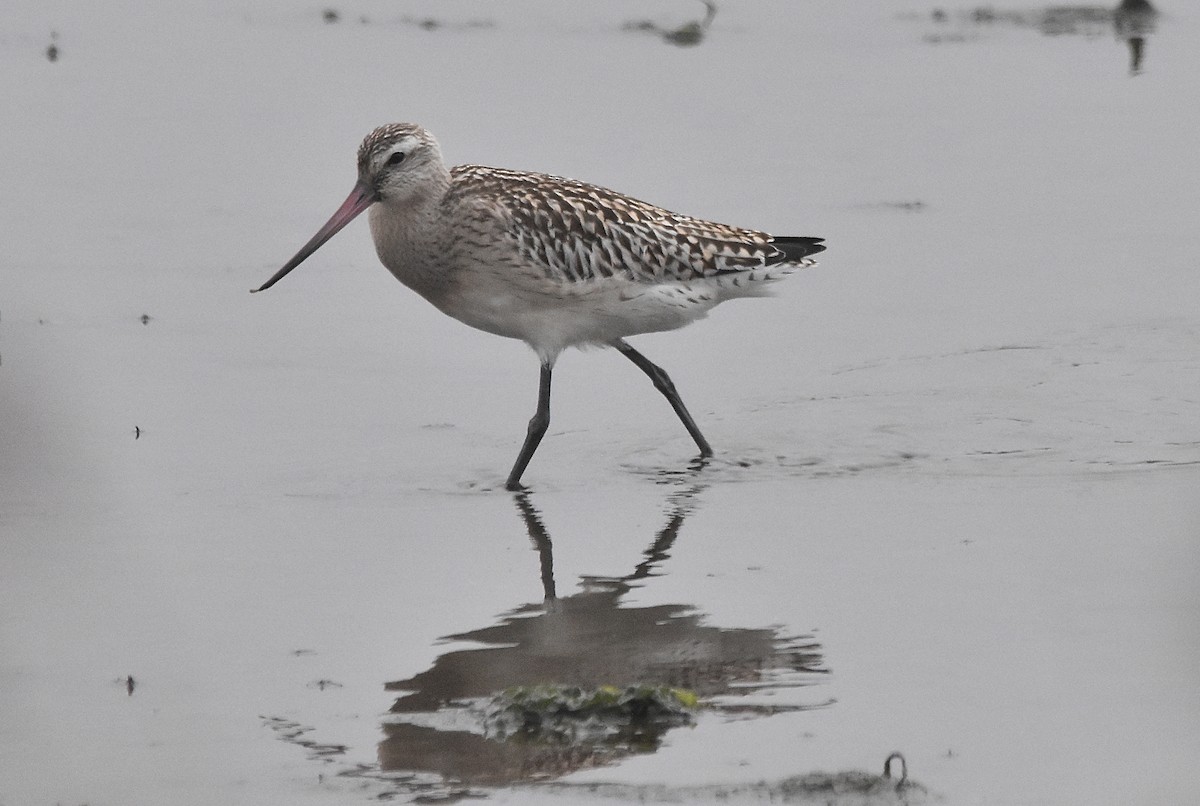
x=406, y=239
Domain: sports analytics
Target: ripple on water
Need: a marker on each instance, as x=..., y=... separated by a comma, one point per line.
x=1115, y=399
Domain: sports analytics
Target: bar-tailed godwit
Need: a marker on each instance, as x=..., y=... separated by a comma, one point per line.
x=553, y=262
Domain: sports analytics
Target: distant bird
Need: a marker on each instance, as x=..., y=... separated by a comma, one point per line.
x=553, y=262
x=1134, y=20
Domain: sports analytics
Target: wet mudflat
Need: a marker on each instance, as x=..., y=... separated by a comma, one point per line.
x=256, y=549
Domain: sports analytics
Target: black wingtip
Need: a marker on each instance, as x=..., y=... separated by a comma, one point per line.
x=798, y=247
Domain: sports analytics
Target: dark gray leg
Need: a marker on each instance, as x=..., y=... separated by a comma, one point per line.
x=537, y=429
x=662, y=382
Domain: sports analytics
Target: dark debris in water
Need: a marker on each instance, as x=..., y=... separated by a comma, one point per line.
x=332, y=16
x=295, y=733
x=1130, y=18
x=846, y=788
x=435, y=24
x=323, y=684
x=686, y=35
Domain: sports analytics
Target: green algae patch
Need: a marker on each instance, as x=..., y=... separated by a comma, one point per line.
x=548, y=712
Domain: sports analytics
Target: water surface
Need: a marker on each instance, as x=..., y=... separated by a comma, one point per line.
x=952, y=511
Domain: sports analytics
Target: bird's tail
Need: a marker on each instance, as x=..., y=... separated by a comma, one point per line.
x=796, y=248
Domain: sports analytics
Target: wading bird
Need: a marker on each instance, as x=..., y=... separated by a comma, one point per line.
x=553, y=262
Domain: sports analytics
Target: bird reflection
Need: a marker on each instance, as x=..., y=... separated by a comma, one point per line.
x=587, y=639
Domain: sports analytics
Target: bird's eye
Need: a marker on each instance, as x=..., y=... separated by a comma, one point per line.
x=396, y=158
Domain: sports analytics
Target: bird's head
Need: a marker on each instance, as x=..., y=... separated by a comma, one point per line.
x=400, y=162
x=397, y=164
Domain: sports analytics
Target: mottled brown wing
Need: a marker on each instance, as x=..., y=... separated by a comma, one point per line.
x=576, y=232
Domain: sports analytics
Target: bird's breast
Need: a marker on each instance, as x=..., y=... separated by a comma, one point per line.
x=410, y=253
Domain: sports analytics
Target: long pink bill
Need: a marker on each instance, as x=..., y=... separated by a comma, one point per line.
x=362, y=197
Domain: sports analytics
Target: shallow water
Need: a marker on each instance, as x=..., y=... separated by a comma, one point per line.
x=953, y=510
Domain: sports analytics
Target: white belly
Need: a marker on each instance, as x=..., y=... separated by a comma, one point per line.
x=595, y=313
